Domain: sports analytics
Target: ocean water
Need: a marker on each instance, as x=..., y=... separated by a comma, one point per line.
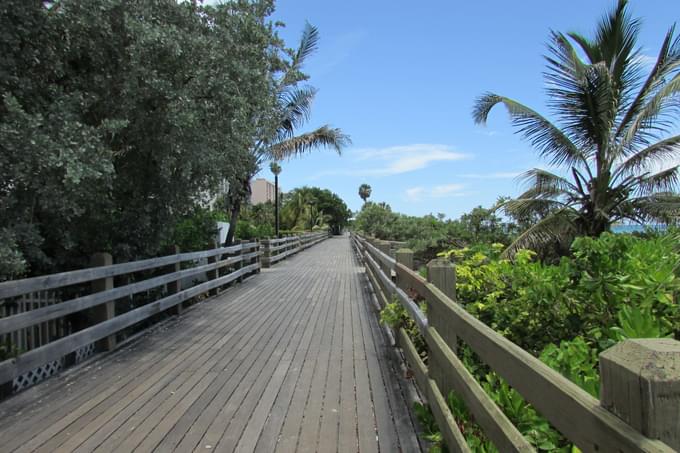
x=637, y=228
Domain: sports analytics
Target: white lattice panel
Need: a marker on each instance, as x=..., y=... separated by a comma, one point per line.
x=84, y=352
x=37, y=375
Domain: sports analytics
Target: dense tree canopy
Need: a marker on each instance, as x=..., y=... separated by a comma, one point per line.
x=117, y=117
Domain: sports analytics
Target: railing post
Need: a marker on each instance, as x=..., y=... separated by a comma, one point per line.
x=404, y=257
x=442, y=274
x=265, y=246
x=212, y=275
x=257, y=258
x=175, y=286
x=640, y=383
x=105, y=311
x=243, y=261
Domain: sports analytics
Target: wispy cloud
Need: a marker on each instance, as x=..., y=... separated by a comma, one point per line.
x=442, y=191
x=403, y=159
x=394, y=160
x=496, y=175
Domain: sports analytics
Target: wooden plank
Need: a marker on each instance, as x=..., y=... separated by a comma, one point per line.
x=163, y=388
x=261, y=432
x=451, y=375
x=414, y=361
x=199, y=414
x=366, y=430
x=447, y=424
x=290, y=430
x=348, y=435
x=155, y=428
x=247, y=422
x=330, y=410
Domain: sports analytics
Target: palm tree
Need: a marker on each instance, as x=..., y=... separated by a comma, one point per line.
x=611, y=138
x=292, y=112
x=364, y=192
x=276, y=170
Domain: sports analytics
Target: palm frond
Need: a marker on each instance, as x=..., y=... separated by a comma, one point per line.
x=543, y=180
x=666, y=63
x=546, y=137
x=554, y=227
x=654, y=154
x=664, y=181
x=323, y=137
x=656, y=116
x=309, y=43
x=523, y=207
x=659, y=207
x=296, y=107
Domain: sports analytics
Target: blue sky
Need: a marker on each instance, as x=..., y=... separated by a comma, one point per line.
x=401, y=78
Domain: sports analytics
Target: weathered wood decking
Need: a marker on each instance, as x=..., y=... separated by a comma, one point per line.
x=291, y=360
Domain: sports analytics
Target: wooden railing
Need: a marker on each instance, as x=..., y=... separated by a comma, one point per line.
x=640, y=379
x=274, y=250
x=97, y=312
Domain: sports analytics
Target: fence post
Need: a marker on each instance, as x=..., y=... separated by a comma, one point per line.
x=242, y=263
x=265, y=246
x=640, y=383
x=175, y=286
x=442, y=274
x=257, y=259
x=404, y=257
x=105, y=311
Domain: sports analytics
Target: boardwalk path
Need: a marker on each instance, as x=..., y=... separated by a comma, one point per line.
x=291, y=360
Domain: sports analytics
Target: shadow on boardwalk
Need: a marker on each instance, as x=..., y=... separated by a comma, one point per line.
x=292, y=360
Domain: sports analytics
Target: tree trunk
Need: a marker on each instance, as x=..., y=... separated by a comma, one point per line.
x=235, y=211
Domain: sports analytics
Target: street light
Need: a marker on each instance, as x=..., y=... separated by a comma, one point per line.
x=276, y=169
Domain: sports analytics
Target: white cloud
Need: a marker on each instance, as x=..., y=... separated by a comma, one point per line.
x=441, y=191
x=414, y=193
x=394, y=160
x=496, y=175
x=447, y=190
x=404, y=159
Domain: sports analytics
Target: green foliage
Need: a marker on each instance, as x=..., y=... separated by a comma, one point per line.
x=429, y=234
x=197, y=231
x=396, y=316
x=117, y=117
x=577, y=361
x=612, y=285
x=305, y=208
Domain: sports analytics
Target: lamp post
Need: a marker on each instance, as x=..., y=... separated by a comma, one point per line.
x=276, y=169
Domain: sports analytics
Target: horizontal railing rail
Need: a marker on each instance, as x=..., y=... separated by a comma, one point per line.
x=275, y=250
x=581, y=418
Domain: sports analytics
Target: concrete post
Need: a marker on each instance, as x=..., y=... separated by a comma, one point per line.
x=105, y=311
x=640, y=383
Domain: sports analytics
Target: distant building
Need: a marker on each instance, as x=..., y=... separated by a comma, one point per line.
x=262, y=191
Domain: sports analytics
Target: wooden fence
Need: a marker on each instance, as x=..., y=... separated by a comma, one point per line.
x=93, y=311
x=640, y=379
x=274, y=250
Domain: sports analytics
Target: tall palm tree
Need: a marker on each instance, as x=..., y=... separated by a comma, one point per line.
x=612, y=138
x=364, y=192
x=292, y=112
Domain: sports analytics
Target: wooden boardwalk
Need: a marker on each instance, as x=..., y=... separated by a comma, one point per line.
x=291, y=360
